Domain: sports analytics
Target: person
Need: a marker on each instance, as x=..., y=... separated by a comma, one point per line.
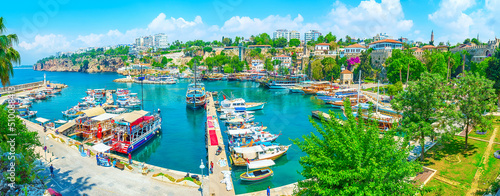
x=114, y=163
x=129, y=158
x=211, y=167
x=44, y=129
x=97, y=158
x=268, y=190
x=51, y=170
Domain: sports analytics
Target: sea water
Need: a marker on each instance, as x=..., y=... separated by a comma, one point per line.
x=181, y=145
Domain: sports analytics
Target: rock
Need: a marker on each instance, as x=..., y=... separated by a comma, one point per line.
x=95, y=65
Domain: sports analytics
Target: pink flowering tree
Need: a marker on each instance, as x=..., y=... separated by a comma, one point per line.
x=352, y=61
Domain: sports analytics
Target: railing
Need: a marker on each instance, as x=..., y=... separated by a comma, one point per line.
x=15, y=88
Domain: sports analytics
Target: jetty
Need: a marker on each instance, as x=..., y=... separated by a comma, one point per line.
x=214, y=142
x=24, y=89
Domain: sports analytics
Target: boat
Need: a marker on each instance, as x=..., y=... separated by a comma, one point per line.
x=195, y=94
x=26, y=113
x=133, y=130
x=296, y=89
x=237, y=120
x=262, y=171
x=167, y=80
x=284, y=84
x=227, y=105
x=129, y=101
x=60, y=122
x=40, y=96
x=240, y=155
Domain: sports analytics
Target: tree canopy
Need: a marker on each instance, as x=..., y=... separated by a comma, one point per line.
x=398, y=66
x=354, y=159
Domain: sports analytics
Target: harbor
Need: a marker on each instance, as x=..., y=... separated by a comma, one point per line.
x=278, y=111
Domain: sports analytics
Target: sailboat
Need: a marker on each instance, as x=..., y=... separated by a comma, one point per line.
x=258, y=174
x=195, y=95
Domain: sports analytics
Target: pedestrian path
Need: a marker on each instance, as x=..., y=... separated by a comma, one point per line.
x=484, y=160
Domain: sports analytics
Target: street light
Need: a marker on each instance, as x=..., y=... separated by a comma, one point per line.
x=202, y=166
x=44, y=146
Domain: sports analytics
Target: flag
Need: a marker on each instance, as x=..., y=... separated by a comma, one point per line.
x=248, y=161
x=224, y=97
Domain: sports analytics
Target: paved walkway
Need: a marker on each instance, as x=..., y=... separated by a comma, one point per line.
x=76, y=175
x=487, y=153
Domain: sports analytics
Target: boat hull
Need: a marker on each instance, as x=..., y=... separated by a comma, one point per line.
x=253, y=107
x=267, y=173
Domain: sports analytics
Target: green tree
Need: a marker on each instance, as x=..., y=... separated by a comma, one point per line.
x=272, y=51
x=474, y=40
x=8, y=55
x=226, y=41
x=207, y=49
x=294, y=42
x=255, y=52
x=23, y=147
x=395, y=89
x=466, y=41
x=330, y=38
x=317, y=69
x=228, y=69
x=481, y=67
x=280, y=42
x=421, y=104
x=268, y=65
x=365, y=64
x=398, y=66
x=353, y=158
x=473, y=95
x=330, y=68
x=493, y=72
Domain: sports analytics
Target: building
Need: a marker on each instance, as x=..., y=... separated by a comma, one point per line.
x=478, y=52
x=286, y=61
x=160, y=40
x=322, y=46
x=284, y=33
x=429, y=47
x=257, y=65
x=294, y=35
x=381, y=36
x=386, y=44
x=354, y=50
x=311, y=35
x=346, y=77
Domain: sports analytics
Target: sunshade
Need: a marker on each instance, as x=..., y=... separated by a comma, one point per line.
x=101, y=147
x=104, y=116
x=94, y=112
x=42, y=120
x=260, y=164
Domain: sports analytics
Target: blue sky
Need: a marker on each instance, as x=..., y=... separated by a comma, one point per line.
x=48, y=26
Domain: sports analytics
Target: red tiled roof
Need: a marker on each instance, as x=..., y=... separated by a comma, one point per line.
x=355, y=46
x=428, y=47
x=282, y=56
x=419, y=50
x=413, y=48
x=387, y=41
x=259, y=45
x=346, y=72
x=323, y=44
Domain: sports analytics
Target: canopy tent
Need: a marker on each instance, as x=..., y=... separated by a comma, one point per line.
x=42, y=120
x=244, y=150
x=101, y=147
x=94, y=111
x=235, y=132
x=66, y=126
x=104, y=117
x=260, y=164
x=142, y=119
x=131, y=117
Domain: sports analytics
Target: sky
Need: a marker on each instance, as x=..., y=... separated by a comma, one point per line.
x=45, y=27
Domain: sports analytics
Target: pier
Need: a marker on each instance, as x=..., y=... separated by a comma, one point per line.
x=214, y=140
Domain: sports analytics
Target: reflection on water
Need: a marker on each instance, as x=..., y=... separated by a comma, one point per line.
x=143, y=153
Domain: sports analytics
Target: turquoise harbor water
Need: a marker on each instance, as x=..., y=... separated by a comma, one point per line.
x=182, y=143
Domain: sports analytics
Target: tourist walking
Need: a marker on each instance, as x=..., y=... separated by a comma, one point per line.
x=51, y=168
x=129, y=158
x=211, y=167
x=268, y=190
x=97, y=158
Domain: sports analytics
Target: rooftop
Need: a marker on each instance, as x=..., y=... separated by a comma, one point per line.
x=282, y=56
x=323, y=44
x=355, y=46
x=346, y=72
x=428, y=47
x=387, y=41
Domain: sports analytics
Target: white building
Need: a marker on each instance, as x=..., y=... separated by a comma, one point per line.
x=386, y=44
x=257, y=65
x=284, y=33
x=286, y=61
x=354, y=49
x=160, y=40
x=322, y=46
x=311, y=35
x=381, y=36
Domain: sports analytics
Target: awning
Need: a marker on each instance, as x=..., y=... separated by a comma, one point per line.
x=104, y=116
x=101, y=147
x=131, y=117
x=42, y=120
x=144, y=118
x=253, y=149
x=66, y=126
x=260, y=164
x=235, y=132
x=94, y=112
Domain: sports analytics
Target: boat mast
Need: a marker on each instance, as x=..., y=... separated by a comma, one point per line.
x=378, y=89
x=359, y=85
x=194, y=96
x=142, y=88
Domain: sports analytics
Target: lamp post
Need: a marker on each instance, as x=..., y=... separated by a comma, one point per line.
x=44, y=146
x=202, y=166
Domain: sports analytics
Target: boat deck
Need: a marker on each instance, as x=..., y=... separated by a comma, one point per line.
x=215, y=187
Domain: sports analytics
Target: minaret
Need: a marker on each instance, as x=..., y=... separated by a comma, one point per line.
x=432, y=36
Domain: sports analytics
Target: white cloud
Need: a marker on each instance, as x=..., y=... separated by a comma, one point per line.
x=46, y=43
x=451, y=15
x=368, y=18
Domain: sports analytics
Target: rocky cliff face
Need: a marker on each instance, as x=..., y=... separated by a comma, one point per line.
x=95, y=65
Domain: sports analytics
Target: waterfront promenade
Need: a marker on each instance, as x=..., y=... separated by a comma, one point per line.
x=77, y=175
x=216, y=188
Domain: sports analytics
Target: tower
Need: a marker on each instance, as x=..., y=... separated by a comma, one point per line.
x=432, y=36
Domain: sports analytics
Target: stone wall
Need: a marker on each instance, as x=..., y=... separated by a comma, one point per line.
x=379, y=56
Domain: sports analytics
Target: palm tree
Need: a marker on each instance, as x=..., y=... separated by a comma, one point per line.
x=8, y=55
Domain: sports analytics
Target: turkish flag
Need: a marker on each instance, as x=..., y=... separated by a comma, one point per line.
x=99, y=132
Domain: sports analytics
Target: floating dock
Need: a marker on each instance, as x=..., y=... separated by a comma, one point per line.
x=214, y=140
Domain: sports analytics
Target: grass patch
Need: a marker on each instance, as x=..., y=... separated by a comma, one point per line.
x=455, y=162
x=486, y=136
x=490, y=172
x=436, y=187
x=172, y=179
x=190, y=179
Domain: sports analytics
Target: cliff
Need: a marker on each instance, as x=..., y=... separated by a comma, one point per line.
x=88, y=65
